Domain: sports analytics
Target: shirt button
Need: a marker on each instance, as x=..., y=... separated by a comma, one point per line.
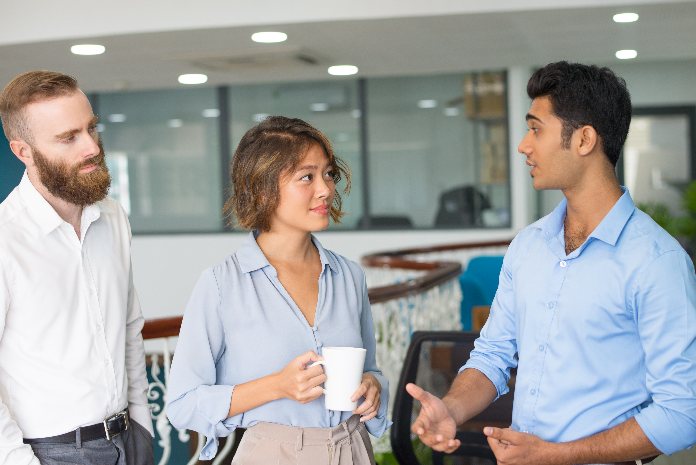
x=532, y=391
x=563, y=264
x=541, y=348
x=551, y=305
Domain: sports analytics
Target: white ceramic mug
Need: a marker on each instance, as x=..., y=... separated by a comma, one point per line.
x=344, y=368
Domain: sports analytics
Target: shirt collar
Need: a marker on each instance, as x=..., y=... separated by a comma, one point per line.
x=613, y=223
x=251, y=258
x=608, y=230
x=43, y=213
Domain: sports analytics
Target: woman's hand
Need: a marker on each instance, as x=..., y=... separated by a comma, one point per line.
x=370, y=389
x=301, y=383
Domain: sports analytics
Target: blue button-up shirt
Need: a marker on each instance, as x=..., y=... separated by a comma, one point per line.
x=601, y=335
x=241, y=324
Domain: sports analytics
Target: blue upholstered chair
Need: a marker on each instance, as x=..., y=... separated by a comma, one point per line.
x=479, y=282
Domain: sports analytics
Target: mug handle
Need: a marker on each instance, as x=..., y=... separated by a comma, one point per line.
x=318, y=362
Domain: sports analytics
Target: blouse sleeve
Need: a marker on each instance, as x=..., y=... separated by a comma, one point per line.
x=379, y=424
x=194, y=400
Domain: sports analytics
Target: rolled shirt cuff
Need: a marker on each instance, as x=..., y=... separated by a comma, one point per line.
x=141, y=414
x=493, y=374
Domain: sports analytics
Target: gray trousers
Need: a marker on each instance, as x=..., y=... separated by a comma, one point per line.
x=271, y=443
x=132, y=447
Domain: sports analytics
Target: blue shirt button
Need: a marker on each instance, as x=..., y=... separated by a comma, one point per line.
x=551, y=305
x=532, y=391
x=541, y=348
x=563, y=263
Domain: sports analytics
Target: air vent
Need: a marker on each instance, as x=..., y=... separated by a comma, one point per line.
x=259, y=59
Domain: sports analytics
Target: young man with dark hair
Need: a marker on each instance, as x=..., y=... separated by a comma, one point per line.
x=72, y=363
x=596, y=304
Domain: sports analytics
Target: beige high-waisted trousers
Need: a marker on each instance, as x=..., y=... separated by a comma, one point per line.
x=274, y=444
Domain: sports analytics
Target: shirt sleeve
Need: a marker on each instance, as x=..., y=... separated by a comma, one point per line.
x=194, y=400
x=13, y=451
x=379, y=424
x=665, y=311
x=138, y=407
x=495, y=350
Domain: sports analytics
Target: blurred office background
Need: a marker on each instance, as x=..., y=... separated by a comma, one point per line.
x=429, y=124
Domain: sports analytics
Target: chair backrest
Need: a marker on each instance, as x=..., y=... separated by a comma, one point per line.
x=479, y=283
x=432, y=362
x=486, y=269
x=386, y=221
x=461, y=207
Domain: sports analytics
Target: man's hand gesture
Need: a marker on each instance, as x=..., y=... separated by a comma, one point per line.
x=434, y=426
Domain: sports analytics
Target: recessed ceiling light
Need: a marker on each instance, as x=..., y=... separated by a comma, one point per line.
x=175, y=123
x=269, y=37
x=451, y=111
x=258, y=117
x=193, y=79
x=427, y=103
x=210, y=113
x=343, y=70
x=87, y=49
x=626, y=54
x=626, y=17
x=321, y=106
x=356, y=113
x=116, y=118
x=100, y=127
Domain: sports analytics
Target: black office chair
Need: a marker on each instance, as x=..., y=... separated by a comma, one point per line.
x=461, y=207
x=385, y=222
x=432, y=362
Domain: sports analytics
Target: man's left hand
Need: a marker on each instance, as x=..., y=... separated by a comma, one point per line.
x=513, y=448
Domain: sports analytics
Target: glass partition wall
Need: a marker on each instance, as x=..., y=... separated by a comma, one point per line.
x=426, y=152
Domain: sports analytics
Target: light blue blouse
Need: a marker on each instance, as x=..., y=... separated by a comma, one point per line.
x=601, y=335
x=241, y=324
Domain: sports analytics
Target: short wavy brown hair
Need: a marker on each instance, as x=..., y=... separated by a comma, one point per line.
x=27, y=88
x=268, y=151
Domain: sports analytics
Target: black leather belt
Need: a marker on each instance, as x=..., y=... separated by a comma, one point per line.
x=107, y=429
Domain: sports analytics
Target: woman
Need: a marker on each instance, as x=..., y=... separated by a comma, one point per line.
x=256, y=321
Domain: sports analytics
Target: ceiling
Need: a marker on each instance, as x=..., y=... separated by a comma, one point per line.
x=379, y=47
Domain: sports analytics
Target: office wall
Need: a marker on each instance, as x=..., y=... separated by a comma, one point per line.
x=11, y=168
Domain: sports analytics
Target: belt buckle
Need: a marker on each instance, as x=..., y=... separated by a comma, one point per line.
x=116, y=417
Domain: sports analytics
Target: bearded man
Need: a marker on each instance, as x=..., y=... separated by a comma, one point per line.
x=72, y=365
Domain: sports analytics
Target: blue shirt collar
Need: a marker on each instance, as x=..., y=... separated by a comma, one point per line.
x=607, y=231
x=251, y=258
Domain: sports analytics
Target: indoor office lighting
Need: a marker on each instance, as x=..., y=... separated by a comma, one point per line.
x=258, y=117
x=342, y=70
x=319, y=106
x=269, y=37
x=451, y=111
x=87, y=49
x=625, y=18
x=626, y=54
x=356, y=113
x=210, y=113
x=175, y=123
x=116, y=118
x=427, y=103
x=193, y=79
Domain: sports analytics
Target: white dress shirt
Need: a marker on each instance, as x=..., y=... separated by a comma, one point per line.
x=71, y=350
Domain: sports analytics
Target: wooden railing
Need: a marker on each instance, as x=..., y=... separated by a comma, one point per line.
x=409, y=289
